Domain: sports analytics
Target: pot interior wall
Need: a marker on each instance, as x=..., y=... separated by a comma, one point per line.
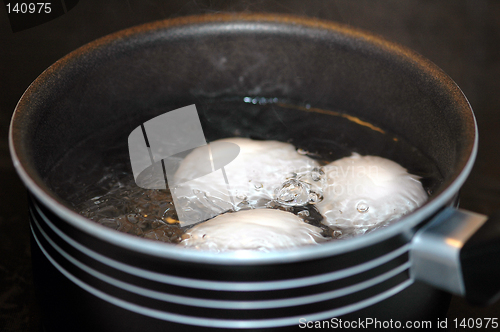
x=122, y=82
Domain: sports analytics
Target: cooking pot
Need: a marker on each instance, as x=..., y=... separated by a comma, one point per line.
x=91, y=278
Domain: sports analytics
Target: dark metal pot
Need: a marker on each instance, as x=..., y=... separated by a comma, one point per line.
x=90, y=278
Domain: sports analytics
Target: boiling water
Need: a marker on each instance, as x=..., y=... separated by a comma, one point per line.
x=95, y=178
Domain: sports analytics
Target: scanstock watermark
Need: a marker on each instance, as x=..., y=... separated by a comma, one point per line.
x=370, y=323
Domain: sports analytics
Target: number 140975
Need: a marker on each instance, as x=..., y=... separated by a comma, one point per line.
x=476, y=323
x=29, y=8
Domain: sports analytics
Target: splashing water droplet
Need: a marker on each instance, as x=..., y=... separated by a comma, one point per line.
x=362, y=207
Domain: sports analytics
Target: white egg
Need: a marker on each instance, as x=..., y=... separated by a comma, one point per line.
x=366, y=192
x=253, y=176
x=259, y=229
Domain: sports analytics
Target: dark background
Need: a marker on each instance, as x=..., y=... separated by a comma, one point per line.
x=462, y=37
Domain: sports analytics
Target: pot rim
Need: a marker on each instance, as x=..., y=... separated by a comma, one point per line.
x=155, y=248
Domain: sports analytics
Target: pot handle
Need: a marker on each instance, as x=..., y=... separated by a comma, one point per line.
x=459, y=251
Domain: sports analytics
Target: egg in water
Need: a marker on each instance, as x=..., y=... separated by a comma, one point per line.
x=367, y=192
x=259, y=230
x=252, y=177
x=356, y=194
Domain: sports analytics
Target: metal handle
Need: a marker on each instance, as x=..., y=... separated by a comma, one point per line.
x=459, y=251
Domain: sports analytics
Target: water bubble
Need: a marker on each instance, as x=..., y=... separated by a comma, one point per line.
x=258, y=186
x=132, y=218
x=315, y=197
x=241, y=196
x=293, y=193
x=362, y=207
x=302, y=152
x=316, y=174
x=303, y=213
